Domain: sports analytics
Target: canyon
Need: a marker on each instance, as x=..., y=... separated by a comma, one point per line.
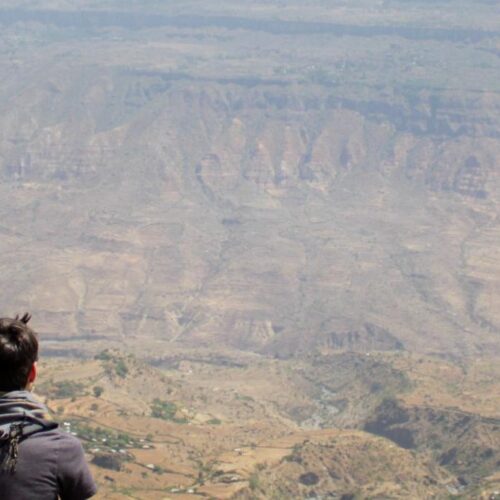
x=237, y=190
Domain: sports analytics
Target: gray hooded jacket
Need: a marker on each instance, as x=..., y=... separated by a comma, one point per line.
x=37, y=460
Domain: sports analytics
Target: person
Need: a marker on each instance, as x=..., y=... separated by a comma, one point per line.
x=37, y=459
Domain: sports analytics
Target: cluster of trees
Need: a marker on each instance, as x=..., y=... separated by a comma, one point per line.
x=166, y=410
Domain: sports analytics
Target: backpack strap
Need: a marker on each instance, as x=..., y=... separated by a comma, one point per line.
x=17, y=433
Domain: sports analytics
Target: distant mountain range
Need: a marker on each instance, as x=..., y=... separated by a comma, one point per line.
x=271, y=184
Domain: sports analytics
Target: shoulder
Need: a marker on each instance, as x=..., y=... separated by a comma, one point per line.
x=52, y=461
x=55, y=435
x=67, y=444
x=73, y=474
x=59, y=441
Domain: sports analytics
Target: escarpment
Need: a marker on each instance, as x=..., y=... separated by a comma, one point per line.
x=320, y=212
x=274, y=181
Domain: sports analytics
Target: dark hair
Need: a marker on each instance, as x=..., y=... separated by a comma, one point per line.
x=18, y=352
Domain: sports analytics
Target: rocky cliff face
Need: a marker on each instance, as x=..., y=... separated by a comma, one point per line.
x=349, y=466
x=464, y=443
x=277, y=213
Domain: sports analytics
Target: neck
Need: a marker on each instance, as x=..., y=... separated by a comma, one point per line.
x=7, y=391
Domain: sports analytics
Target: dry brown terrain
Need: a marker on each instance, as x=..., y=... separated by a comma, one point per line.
x=260, y=241
x=269, y=184
x=236, y=431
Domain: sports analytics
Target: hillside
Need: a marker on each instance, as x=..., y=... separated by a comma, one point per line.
x=233, y=427
x=202, y=180
x=347, y=466
x=260, y=241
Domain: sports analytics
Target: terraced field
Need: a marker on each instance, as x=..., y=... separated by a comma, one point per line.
x=287, y=213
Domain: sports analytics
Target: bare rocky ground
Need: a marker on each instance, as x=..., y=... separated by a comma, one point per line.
x=250, y=427
x=281, y=219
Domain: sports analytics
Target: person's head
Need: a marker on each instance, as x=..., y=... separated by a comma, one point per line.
x=18, y=353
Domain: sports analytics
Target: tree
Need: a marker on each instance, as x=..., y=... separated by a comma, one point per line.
x=98, y=390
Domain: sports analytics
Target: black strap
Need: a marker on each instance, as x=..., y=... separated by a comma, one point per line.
x=15, y=433
x=18, y=432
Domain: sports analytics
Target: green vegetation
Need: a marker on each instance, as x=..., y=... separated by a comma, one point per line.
x=253, y=481
x=65, y=389
x=98, y=390
x=166, y=410
x=109, y=461
x=295, y=455
x=114, y=364
x=121, y=368
x=104, y=355
x=243, y=397
x=214, y=421
x=158, y=470
x=104, y=438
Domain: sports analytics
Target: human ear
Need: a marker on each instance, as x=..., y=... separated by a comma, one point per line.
x=32, y=375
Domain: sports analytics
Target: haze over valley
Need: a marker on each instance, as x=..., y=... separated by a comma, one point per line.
x=268, y=232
